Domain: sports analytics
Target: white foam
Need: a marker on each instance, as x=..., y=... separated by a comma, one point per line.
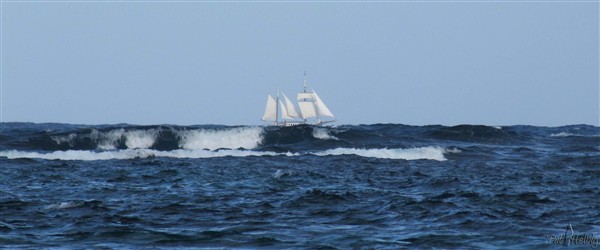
x=86, y=155
x=108, y=140
x=279, y=173
x=452, y=150
x=561, y=134
x=323, y=134
x=140, y=138
x=211, y=139
x=566, y=134
x=428, y=153
x=63, y=205
x=64, y=139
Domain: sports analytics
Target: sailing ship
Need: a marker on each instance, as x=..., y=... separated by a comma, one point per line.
x=281, y=111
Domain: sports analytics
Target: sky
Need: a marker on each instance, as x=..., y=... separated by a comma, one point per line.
x=416, y=63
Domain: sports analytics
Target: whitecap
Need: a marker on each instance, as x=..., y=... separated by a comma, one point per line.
x=108, y=140
x=566, y=134
x=140, y=138
x=323, y=134
x=427, y=153
x=63, y=205
x=86, y=155
x=61, y=139
x=231, y=138
x=281, y=173
x=562, y=134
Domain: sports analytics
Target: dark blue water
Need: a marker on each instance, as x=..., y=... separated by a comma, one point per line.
x=381, y=186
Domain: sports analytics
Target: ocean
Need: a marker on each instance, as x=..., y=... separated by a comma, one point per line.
x=379, y=186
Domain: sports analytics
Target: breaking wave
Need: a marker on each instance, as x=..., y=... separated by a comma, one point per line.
x=110, y=139
x=211, y=139
x=323, y=134
x=426, y=153
x=422, y=153
x=161, y=138
x=86, y=155
x=566, y=134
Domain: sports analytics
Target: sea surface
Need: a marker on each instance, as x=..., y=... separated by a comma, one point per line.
x=380, y=186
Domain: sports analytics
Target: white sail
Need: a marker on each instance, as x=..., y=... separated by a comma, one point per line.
x=270, y=110
x=291, y=108
x=307, y=109
x=284, y=111
x=309, y=97
x=311, y=109
x=322, y=109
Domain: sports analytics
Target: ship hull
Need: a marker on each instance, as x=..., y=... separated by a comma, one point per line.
x=291, y=124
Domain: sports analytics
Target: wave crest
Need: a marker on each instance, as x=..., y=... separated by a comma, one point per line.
x=212, y=139
x=323, y=134
x=567, y=134
x=422, y=153
x=426, y=153
x=109, y=140
x=140, y=138
x=157, y=138
x=86, y=155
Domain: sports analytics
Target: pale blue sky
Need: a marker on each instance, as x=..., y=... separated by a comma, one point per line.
x=493, y=63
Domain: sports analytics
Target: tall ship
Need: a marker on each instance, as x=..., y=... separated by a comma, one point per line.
x=281, y=111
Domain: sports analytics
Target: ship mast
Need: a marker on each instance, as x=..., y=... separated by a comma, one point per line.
x=305, y=83
x=277, y=107
x=314, y=101
x=305, y=89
